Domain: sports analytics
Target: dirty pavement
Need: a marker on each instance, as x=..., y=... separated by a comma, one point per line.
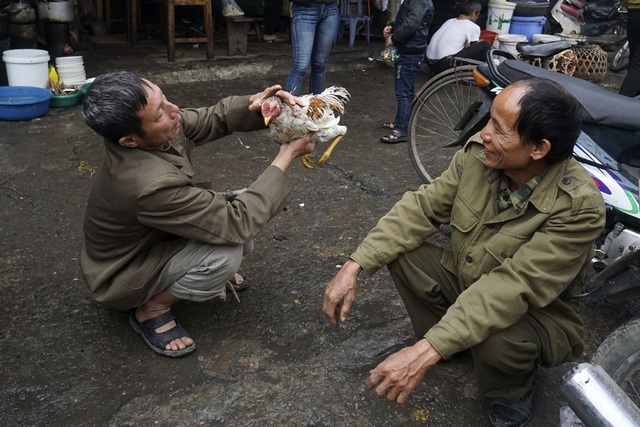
x=272, y=358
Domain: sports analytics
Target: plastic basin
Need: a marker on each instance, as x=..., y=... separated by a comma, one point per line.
x=23, y=102
x=65, y=100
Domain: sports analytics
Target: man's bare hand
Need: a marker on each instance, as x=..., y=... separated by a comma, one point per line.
x=292, y=150
x=276, y=90
x=400, y=373
x=341, y=292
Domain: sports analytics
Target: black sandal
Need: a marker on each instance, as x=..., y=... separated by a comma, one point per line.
x=394, y=137
x=388, y=126
x=242, y=286
x=157, y=341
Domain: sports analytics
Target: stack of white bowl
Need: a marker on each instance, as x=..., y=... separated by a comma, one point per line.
x=71, y=70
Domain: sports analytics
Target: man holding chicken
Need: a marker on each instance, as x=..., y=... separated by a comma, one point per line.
x=151, y=236
x=524, y=215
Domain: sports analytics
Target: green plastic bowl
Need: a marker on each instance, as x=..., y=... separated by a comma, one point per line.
x=84, y=88
x=64, y=101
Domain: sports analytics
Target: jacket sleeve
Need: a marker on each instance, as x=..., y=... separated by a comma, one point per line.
x=231, y=114
x=169, y=204
x=415, y=217
x=411, y=23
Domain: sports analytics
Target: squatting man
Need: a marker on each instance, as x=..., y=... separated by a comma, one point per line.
x=152, y=237
x=524, y=216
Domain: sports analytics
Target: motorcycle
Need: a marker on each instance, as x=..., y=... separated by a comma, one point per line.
x=455, y=104
x=620, y=58
x=604, y=19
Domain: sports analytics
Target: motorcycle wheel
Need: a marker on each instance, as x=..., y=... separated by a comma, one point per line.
x=619, y=356
x=620, y=59
x=434, y=116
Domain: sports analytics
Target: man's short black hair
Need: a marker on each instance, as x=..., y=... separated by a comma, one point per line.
x=548, y=111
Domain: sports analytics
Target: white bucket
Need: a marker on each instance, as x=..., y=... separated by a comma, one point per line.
x=27, y=67
x=499, y=16
x=545, y=38
x=508, y=42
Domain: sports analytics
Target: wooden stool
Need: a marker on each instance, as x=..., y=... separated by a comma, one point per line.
x=238, y=32
x=171, y=27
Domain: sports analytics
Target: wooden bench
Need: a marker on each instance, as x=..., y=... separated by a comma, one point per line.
x=238, y=32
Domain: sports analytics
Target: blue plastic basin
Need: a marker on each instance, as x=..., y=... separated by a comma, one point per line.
x=23, y=102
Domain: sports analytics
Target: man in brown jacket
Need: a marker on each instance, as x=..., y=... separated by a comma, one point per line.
x=153, y=238
x=524, y=216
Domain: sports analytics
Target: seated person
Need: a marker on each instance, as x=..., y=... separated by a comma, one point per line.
x=524, y=216
x=457, y=37
x=151, y=236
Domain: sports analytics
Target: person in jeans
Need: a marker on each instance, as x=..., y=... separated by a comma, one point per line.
x=271, y=13
x=631, y=84
x=314, y=27
x=457, y=37
x=408, y=33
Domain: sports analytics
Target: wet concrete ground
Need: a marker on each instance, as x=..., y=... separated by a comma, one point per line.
x=271, y=359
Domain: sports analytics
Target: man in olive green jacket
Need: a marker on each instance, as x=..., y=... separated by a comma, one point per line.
x=524, y=217
x=151, y=236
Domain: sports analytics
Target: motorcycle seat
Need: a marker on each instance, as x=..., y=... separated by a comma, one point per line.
x=542, y=49
x=601, y=106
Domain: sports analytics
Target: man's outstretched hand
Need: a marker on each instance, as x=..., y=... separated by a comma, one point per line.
x=341, y=292
x=255, y=101
x=400, y=373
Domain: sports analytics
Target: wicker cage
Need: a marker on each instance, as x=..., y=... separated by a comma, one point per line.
x=591, y=62
x=562, y=62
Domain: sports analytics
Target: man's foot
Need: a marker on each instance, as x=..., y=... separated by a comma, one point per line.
x=394, y=137
x=513, y=414
x=163, y=334
x=240, y=282
x=269, y=37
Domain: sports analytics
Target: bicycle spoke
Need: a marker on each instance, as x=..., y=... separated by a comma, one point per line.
x=434, y=117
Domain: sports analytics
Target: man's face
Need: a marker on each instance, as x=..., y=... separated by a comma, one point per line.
x=503, y=147
x=160, y=120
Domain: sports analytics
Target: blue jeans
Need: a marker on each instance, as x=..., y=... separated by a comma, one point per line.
x=313, y=30
x=406, y=68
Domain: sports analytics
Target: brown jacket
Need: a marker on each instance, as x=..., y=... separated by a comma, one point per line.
x=144, y=206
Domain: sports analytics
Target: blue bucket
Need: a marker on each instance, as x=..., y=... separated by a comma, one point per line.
x=527, y=25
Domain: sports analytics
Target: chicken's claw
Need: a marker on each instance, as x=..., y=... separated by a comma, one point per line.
x=307, y=161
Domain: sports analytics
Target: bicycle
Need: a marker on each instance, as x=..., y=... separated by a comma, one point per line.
x=438, y=109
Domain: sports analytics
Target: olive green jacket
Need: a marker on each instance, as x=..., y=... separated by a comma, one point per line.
x=507, y=263
x=144, y=206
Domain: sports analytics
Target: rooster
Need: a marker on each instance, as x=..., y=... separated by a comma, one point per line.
x=317, y=116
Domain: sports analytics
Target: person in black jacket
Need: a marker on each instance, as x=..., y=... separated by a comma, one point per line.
x=409, y=35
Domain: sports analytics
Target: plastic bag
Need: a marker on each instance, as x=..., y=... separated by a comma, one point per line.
x=389, y=55
x=231, y=8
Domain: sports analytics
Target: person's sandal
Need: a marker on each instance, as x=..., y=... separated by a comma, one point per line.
x=158, y=340
x=388, y=126
x=394, y=137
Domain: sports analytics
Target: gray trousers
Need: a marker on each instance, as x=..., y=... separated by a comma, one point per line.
x=199, y=272
x=506, y=362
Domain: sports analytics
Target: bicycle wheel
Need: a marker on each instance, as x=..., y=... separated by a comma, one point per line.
x=434, y=118
x=620, y=59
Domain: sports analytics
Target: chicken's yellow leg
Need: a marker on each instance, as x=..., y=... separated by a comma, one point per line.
x=328, y=151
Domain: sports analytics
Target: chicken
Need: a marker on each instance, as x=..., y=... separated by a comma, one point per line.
x=317, y=116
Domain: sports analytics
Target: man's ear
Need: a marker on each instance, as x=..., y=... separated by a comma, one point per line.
x=128, y=141
x=541, y=149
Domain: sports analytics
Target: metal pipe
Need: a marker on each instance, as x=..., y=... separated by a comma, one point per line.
x=596, y=398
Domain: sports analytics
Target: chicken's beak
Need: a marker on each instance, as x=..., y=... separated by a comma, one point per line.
x=267, y=120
